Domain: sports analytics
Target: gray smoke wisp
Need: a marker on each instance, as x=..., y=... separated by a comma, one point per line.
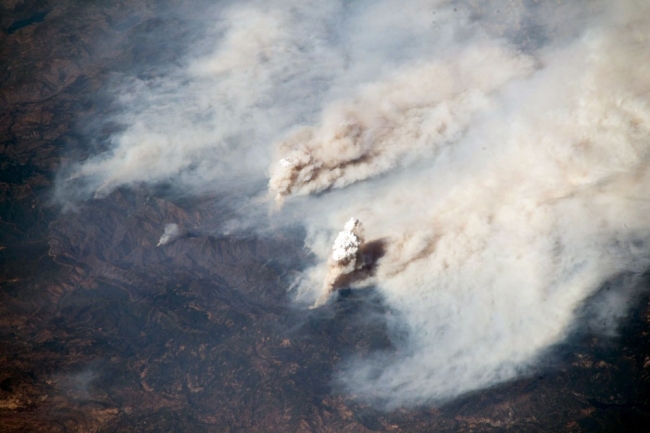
x=500, y=164
x=171, y=233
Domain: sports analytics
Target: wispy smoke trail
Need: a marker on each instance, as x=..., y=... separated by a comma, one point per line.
x=171, y=233
x=209, y=121
x=504, y=159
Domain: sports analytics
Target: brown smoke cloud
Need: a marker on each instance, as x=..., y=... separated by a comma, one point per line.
x=409, y=116
x=498, y=154
x=492, y=247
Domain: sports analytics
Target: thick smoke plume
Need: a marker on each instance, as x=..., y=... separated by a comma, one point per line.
x=408, y=116
x=498, y=154
x=346, y=258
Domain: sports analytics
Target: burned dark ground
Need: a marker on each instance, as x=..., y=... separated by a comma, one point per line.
x=100, y=331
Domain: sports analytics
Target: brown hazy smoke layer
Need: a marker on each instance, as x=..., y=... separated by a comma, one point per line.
x=492, y=247
x=406, y=117
x=497, y=152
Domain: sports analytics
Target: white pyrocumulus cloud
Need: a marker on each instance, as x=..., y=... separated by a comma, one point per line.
x=500, y=160
x=346, y=258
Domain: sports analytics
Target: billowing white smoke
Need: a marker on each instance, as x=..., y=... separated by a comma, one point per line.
x=491, y=250
x=505, y=183
x=346, y=258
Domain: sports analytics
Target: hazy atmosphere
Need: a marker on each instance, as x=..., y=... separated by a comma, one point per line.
x=496, y=157
x=334, y=216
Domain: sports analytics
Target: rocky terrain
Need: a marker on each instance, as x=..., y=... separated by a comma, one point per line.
x=102, y=331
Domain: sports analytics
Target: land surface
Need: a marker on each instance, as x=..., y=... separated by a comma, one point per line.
x=101, y=331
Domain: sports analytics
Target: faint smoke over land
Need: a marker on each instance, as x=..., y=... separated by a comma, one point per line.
x=498, y=152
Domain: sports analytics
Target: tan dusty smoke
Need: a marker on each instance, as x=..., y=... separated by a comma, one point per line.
x=492, y=248
x=504, y=148
x=411, y=115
